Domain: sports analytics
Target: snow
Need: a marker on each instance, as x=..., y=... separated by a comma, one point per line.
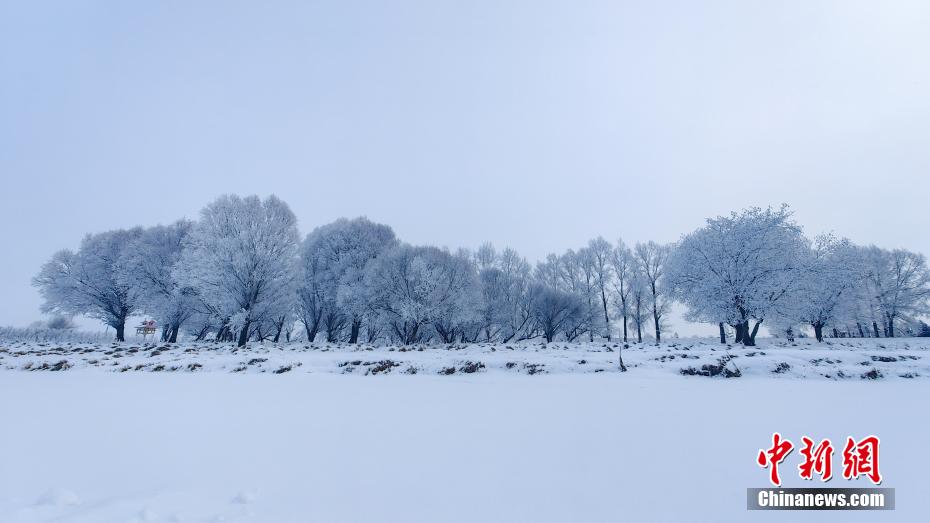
x=836, y=359
x=92, y=444
x=58, y=497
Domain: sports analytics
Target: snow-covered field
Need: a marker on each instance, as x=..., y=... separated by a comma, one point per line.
x=838, y=359
x=211, y=433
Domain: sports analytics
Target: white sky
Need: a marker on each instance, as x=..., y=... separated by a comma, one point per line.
x=531, y=124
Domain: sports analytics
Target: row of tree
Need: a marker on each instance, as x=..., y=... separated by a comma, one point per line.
x=757, y=265
x=241, y=272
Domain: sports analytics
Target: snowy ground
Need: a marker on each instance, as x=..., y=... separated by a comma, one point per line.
x=901, y=358
x=324, y=443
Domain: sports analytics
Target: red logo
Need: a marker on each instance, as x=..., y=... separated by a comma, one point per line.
x=773, y=456
x=859, y=458
x=819, y=460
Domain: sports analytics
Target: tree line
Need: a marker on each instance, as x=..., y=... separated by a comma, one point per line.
x=241, y=272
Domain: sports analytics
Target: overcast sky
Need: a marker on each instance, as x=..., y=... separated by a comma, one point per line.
x=531, y=124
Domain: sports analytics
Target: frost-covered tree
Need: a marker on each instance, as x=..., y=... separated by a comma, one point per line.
x=901, y=282
x=423, y=291
x=863, y=303
x=490, y=313
x=312, y=295
x=555, y=311
x=92, y=281
x=639, y=303
x=624, y=266
x=280, y=324
x=923, y=330
x=600, y=257
x=587, y=287
x=202, y=323
x=822, y=288
x=149, y=262
x=651, y=259
x=332, y=294
x=277, y=316
x=573, y=273
x=486, y=256
x=459, y=319
x=241, y=258
x=518, y=274
x=60, y=322
x=548, y=272
x=739, y=268
x=504, y=281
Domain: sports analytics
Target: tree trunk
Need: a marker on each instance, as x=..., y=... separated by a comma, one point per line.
x=875, y=328
x=165, y=332
x=121, y=331
x=311, y=332
x=620, y=355
x=749, y=338
x=755, y=330
x=723, y=334
x=639, y=333
x=412, y=334
x=244, y=335
x=861, y=333
x=836, y=333
x=891, y=327
x=624, y=328
x=655, y=318
x=606, y=316
x=353, y=333
x=818, y=330
x=738, y=336
x=173, y=337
